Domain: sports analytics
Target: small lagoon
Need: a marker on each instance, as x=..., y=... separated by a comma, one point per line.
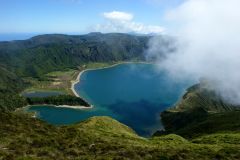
x=132, y=93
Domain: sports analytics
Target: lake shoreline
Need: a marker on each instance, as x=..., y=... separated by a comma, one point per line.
x=61, y=106
x=77, y=80
x=92, y=69
x=138, y=98
x=34, y=115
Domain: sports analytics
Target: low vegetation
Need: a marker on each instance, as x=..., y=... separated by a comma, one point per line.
x=59, y=81
x=23, y=137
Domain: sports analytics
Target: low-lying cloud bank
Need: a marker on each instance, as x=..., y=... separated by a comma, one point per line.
x=207, y=45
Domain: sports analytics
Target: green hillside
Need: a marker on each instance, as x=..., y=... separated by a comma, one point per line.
x=45, y=53
x=23, y=137
x=10, y=86
x=201, y=111
x=9, y=81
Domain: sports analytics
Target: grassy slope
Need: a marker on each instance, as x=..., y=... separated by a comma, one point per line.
x=59, y=81
x=201, y=112
x=101, y=137
x=200, y=96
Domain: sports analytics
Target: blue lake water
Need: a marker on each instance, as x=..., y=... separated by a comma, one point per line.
x=134, y=94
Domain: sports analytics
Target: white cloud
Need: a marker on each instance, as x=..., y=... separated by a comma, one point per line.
x=209, y=44
x=123, y=22
x=118, y=16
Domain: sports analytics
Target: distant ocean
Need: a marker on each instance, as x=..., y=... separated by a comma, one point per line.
x=16, y=36
x=24, y=36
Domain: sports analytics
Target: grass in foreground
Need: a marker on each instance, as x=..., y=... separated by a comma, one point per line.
x=23, y=137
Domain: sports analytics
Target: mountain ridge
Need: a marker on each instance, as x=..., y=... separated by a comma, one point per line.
x=50, y=52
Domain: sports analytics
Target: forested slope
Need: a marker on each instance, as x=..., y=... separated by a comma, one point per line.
x=46, y=53
x=42, y=54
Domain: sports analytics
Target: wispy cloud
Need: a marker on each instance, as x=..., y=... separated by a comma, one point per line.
x=117, y=21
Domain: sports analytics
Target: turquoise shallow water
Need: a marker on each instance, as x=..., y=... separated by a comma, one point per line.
x=134, y=94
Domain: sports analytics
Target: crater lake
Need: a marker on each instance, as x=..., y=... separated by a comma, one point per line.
x=132, y=93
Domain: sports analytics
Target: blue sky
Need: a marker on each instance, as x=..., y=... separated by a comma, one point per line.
x=82, y=16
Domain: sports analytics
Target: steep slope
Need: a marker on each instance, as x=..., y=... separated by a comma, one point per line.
x=200, y=96
x=23, y=137
x=10, y=85
x=199, y=112
x=46, y=53
x=9, y=81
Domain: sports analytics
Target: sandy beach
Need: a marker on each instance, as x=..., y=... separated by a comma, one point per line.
x=75, y=107
x=63, y=106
